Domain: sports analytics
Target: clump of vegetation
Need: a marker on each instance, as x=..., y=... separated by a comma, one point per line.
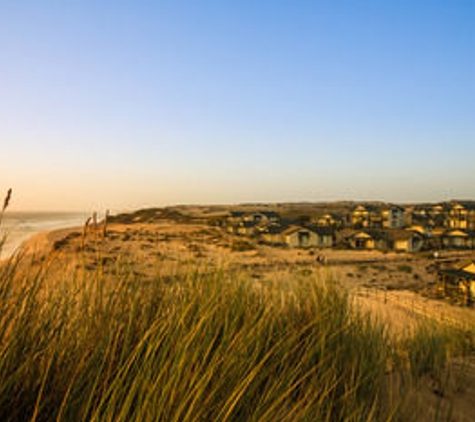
x=305, y=272
x=362, y=268
x=405, y=268
x=242, y=246
x=432, y=345
x=206, y=346
x=432, y=351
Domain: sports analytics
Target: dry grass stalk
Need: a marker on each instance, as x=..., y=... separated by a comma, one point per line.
x=6, y=202
x=104, y=224
x=94, y=220
x=84, y=232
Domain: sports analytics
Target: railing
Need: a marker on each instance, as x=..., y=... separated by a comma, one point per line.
x=425, y=309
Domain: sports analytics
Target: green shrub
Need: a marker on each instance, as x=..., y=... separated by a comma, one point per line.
x=242, y=246
x=404, y=268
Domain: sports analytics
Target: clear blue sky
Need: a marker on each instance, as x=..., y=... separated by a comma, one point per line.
x=126, y=104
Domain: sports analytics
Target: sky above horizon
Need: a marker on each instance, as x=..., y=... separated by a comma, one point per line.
x=128, y=104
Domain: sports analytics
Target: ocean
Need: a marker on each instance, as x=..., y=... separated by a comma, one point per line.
x=17, y=227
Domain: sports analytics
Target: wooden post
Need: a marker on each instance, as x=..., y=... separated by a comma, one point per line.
x=94, y=220
x=104, y=225
x=84, y=233
x=468, y=296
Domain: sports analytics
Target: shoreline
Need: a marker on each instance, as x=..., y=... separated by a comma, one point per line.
x=21, y=229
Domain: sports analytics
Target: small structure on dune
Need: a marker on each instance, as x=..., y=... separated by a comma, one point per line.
x=272, y=234
x=308, y=237
x=401, y=240
x=300, y=237
x=458, y=239
x=458, y=282
x=398, y=240
x=367, y=240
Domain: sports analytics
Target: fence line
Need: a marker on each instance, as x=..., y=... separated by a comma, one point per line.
x=418, y=309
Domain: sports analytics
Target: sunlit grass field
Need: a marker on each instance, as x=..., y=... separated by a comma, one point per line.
x=202, y=344
x=198, y=346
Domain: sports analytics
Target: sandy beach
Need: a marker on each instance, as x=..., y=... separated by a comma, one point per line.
x=18, y=227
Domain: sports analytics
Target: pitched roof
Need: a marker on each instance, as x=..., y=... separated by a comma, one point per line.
x=270, y=214
x=469, y=205
x=402, y=234
x=369, y=208
x=458, y=233
x=392, y=207
x=391, y=234
x=294, y=229
x=247, y=224
x=274, y=229
x=458, y=273
x=237, y=213
x=321, y=230
x=375, y=234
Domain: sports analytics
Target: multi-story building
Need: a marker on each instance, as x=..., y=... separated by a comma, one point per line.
x=393, y=217
x=371, y=216
x=461, y=215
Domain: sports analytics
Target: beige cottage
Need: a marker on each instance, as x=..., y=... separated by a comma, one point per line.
x=272, y=234
x=405, y=241
x=325, y=237
x=363, y=240
x=458, y=239
x=458, y=282
x=398, y=240
x=300, y=237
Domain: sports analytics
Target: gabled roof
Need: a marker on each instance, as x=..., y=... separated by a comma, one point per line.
x=417, y=218
x=273, y=228
x=392, y=207
x=270, y=214
x=401, y=234
x=362, y=234
x=321, y=230
x=458, y=233
x=373, y=234
x=369, y=208
x=295, y=229
x=468, y=266
x=237, y=213
x=247, y=224
x=329, y=215
x=469, y=205
x=376, y=234
x=464, y=270
x=391, y=234
x=458, y=274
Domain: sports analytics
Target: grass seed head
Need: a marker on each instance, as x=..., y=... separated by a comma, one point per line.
x=6, y=202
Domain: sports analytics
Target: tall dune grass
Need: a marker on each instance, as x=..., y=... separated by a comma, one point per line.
x=6, y=203
x=200, y=346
